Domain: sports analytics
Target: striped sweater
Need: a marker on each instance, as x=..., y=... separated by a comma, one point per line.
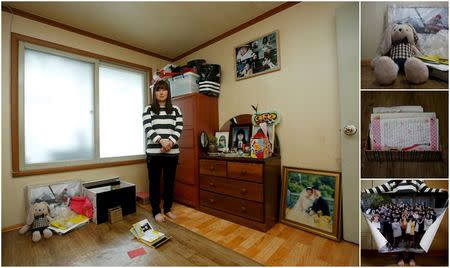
x=403, y=186
x=162, y=126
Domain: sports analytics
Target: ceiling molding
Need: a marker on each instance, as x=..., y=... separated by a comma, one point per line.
x=66, y=27
x=239, y=28
x=249, y=23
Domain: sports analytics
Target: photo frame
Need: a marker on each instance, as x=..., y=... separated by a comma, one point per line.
x=403, y=215
x=258, y=56
x=222, y=141
x=311, y=201
x=235, y=130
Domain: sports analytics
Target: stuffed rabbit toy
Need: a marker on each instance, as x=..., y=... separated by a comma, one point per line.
x=397, y=49
x=38, y=220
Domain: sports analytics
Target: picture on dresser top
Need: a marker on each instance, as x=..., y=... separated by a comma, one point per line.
x=310, y=200
x=222, y=141
x=240, y=137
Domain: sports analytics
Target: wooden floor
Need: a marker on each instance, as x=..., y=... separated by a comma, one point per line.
x=368, y=82
x=280, y=246
x=106, y=244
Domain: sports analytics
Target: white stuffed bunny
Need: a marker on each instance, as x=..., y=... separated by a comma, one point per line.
x=397, y=49
x=38, y=220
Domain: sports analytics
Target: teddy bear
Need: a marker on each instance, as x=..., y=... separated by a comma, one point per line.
x=38, y=220
x=397, y=49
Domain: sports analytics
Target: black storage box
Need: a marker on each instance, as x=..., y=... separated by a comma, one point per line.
x=110, y=193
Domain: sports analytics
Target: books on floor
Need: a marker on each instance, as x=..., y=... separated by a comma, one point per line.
x=403, y=128
x=437, y=66
x=63, y=227
x=144, y=233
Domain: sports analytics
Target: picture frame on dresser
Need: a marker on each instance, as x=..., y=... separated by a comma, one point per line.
x=222, y=141
x=310, y=200
x=240, y=133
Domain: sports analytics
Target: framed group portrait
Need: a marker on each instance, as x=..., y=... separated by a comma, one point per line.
x=310, y=200
x=258, y=56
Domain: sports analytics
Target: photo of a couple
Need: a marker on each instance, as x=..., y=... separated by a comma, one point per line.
x=311, y=199
x=312, y=209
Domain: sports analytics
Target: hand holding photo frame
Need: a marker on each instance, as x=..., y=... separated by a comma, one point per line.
x=403, y=215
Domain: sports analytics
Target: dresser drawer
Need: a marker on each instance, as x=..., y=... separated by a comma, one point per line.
x=245, y=171
x=213, y=167
x=240, y=207
x=240, y=189
x=186, y=194
x=187, y=139
x=186, y=167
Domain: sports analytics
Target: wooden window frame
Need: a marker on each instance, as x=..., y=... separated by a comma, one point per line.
x=15, y=139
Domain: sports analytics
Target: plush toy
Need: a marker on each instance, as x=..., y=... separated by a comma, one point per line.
x=397, y=50
x=38, y=220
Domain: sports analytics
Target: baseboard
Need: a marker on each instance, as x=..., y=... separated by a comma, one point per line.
x=365, y=62
x=374, y=252
x=12, y=228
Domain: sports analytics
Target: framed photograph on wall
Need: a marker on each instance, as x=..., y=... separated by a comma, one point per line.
x=222, y=141
x=311, y=201
x=240, y=136
x=257, y=56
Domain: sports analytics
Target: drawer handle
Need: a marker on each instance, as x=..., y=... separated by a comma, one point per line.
x=243, y=172
x=211, y=200
x=211, y=168
x=243, y=191
x=212, y=184
x=243, y=209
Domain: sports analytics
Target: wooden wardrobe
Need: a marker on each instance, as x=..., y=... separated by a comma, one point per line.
x=200, y=113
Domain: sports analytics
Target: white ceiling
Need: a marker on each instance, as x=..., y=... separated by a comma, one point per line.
x=166, y=28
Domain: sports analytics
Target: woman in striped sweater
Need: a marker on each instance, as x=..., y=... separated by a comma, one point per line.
x=163, y=124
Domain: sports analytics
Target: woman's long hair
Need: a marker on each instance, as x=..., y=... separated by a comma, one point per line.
x=155, y=105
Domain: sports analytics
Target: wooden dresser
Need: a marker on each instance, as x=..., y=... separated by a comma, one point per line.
x=242, y=190
x=200, y=113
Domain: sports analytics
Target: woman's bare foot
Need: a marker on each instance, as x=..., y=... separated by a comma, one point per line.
x=159, y=218
x=171, y=215
x=412, y=262
x=401, y=263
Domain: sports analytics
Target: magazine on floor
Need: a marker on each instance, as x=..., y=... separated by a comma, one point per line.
x=144, y=233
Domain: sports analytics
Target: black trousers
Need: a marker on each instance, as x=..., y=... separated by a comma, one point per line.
x=167, y=165
x=406, y=256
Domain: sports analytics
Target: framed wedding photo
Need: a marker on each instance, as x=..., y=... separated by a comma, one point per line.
x=257, y=56
x=310, y=201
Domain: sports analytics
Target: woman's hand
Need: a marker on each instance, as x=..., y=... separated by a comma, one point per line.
x=166, y=145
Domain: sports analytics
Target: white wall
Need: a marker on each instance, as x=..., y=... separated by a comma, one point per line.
x=13, y=197
x=304, y=91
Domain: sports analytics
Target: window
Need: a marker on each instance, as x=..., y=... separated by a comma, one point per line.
x=75, y=110
x=120, y=113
